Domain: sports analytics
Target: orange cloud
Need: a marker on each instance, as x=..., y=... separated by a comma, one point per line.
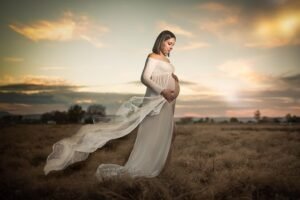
x=32, y=79
x=217, y=7
x=53, y=68
x=13, y=59
x=215, y=26
x=180, y=31
x=243, y=71
x=280, y=30
x=89, y=101
x=69, y=27
x=44, y=80
x=226, y=17
x=191, y=114
x=224, y=25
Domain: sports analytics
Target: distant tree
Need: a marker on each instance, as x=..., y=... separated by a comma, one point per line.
x=11, y=119
x=186, y=120
x=296, y=119
x=257, y=115
x=206, y=120
x=60, y=117
x=276, y=120
x=75, y=113
x=224, y=121
x=264, y=119
x=46, y=117
x=95, y=113
x=288, y=118
x=233, y=120
x=199, y=121
x=212, y=120
x=292, y=118
x=97, y=109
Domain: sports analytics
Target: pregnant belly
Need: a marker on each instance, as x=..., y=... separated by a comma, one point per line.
x=171, y=83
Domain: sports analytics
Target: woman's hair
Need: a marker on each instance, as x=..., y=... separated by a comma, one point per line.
x=163, y=36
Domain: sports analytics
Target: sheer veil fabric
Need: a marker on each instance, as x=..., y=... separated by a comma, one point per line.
x=151, y=112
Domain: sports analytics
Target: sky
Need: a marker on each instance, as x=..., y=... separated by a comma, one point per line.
x=231, y=57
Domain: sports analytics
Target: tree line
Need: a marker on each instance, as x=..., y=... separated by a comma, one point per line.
x=257, y=118
x=97, y=112
x=74, y=114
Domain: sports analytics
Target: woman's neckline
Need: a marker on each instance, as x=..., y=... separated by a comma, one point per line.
x=160, y=60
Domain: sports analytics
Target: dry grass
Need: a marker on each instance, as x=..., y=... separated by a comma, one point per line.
x=208, y=162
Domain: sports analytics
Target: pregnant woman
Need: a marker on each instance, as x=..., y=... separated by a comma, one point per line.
x=153, y=113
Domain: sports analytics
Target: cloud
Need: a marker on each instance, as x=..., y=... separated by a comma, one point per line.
x=184, y=82
x=18, y=102
x=13, y=59
x=33, y=79
x=281, y=97
x=177, y=30
x=35, y=88
x=292, y=80
x=216, y=7
x=53, y=68
x=69, y=27
x=243, y=72
x=251, y=24
x=216, y=26
x=279, y=30
x=217, y=19
x=279, y=101
x=193, y=45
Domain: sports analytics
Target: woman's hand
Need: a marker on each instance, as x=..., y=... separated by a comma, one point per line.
x=168, y=94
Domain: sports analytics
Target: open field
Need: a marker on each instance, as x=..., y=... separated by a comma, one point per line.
x=209, y=161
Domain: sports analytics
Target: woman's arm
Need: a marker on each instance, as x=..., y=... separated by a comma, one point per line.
x=146, y=76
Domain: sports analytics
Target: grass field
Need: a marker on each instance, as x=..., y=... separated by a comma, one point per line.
x=208, y=161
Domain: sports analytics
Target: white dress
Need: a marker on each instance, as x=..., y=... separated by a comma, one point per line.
x=153, y=114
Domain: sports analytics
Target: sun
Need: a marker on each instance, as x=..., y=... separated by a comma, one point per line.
x=285, y=26
x=288, y=25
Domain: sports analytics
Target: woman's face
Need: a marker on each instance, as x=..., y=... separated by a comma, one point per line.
x=167, y=46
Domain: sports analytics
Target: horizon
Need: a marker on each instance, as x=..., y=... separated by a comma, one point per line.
x=175, y=116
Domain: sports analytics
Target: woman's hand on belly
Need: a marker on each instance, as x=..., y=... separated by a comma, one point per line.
x=168, y=94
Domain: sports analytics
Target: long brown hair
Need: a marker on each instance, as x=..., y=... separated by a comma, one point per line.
x=163, y=36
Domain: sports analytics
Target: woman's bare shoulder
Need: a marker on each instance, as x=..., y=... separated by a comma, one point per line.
x=156, y=56
x=153, y=55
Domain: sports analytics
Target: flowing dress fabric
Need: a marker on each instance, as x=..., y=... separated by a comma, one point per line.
x=152, y=113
